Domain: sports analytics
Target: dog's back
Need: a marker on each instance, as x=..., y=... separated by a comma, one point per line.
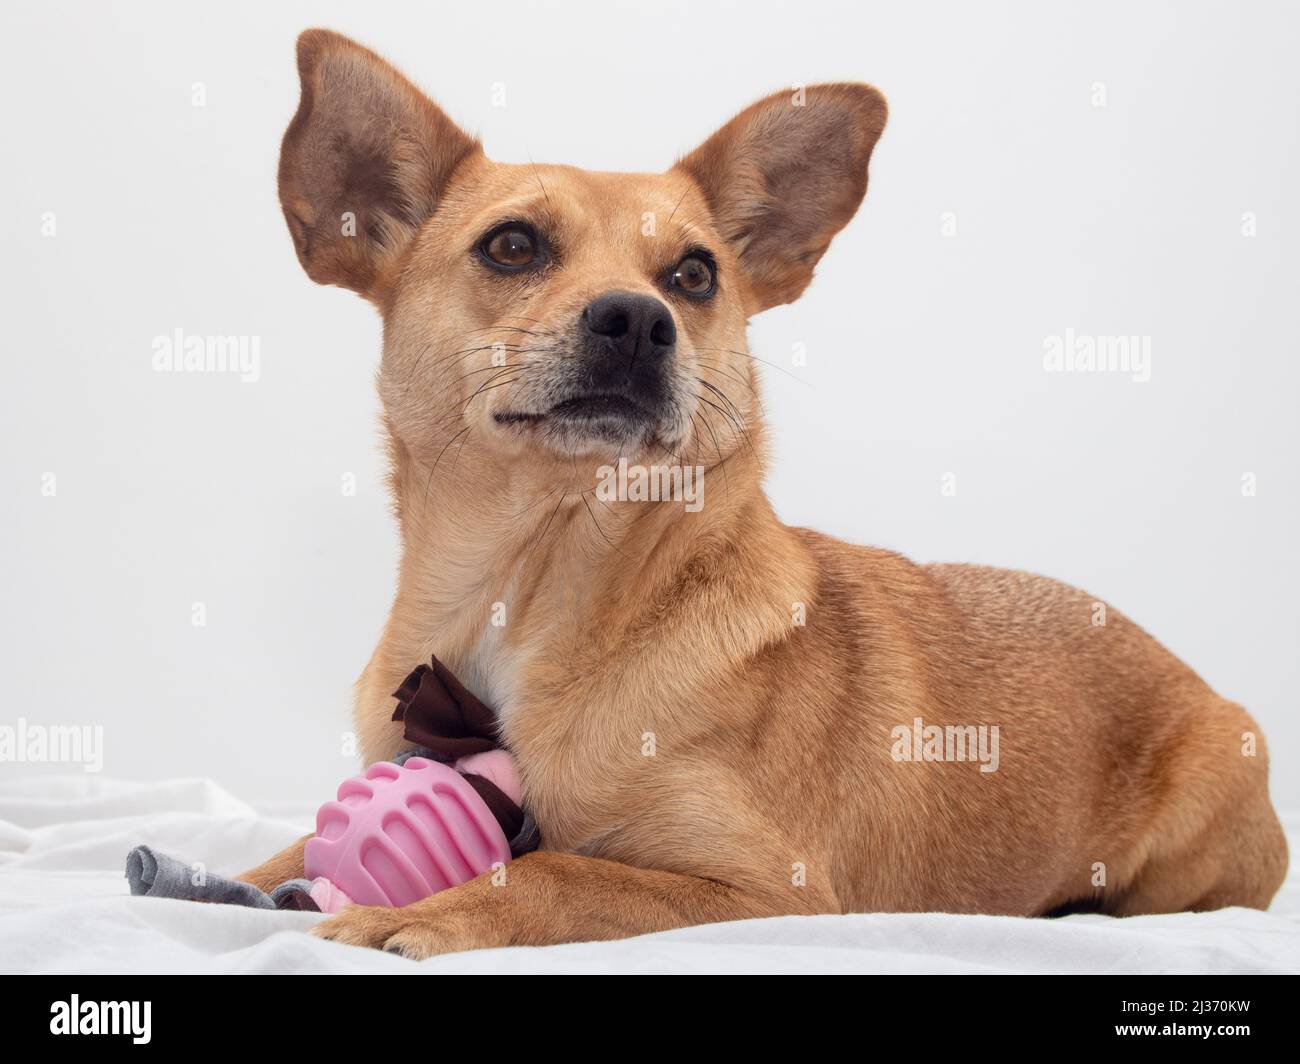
x=1122, y=783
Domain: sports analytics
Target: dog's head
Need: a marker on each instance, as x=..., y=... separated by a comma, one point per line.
x=552, y=313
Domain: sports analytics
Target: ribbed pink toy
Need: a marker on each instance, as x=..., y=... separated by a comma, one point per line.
x=400, y=833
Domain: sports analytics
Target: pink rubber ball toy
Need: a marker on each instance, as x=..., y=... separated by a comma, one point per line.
x=399, y=833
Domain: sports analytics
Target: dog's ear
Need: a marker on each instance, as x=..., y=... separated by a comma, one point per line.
x=363, y=163
x=784, y=176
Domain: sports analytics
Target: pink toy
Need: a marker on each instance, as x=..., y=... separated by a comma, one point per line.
x=400, y=833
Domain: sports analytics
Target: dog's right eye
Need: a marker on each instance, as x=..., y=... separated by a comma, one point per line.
x=511, y=247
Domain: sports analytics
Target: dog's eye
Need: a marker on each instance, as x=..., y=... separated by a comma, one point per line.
x=694, y=276
x=512, y=247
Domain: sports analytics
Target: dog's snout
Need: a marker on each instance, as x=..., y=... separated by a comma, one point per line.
x=627, y=350
x=633, y=324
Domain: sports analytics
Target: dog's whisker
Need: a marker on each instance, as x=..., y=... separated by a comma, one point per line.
x=746, y=354
x=738, y=432
x=443, y=360
x=701, y=417
x=429, y=482
x=710, y=366
x=547, y=526
x=484, y=369
x=732, y=412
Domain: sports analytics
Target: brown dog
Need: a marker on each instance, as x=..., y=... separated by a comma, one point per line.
x=715, y=716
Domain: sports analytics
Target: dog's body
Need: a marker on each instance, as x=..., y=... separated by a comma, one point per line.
x=706, y=707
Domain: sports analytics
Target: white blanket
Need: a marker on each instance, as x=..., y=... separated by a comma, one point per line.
x=64, y=907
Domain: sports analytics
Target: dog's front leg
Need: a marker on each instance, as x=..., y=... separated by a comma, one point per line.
x=545, y=898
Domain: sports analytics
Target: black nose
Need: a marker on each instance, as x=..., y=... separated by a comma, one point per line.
x=634, y=326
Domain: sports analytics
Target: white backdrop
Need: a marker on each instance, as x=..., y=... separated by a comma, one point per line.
x=1105, y=168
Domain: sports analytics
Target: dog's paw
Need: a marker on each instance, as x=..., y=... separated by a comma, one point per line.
x=417, y=941
x=406, y=932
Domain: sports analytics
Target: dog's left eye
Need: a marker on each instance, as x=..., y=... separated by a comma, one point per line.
x=694, y=275
x=511, y=246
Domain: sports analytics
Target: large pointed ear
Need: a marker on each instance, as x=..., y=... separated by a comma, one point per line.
x=363, y=163
x=784, y=176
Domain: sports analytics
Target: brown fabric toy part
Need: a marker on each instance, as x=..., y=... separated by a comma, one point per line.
x=447, y=721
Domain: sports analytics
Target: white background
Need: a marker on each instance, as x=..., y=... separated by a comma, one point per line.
x=924, y=351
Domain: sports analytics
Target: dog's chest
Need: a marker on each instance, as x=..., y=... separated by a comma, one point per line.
x=579, y=770
x=489, y=669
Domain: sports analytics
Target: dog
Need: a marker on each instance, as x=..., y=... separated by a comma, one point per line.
x=715, y=716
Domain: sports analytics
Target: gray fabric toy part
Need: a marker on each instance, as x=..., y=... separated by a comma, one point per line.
x=155, y=875
x=295, y=894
